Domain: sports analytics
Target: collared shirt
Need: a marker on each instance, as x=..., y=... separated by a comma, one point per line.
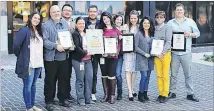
x=50, y=36
x=188, y=25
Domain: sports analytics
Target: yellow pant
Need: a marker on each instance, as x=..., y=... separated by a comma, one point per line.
x=162, y=67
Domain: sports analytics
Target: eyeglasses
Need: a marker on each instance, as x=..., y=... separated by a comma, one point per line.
x=67, y=10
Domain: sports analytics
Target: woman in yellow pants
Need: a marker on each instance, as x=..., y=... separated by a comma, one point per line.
x=162, y=61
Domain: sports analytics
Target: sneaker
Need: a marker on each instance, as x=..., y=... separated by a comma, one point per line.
x=93, y=97
x=163, y=99
x=31, y=109
x=81, y=104
x=49, y=107
x=192, y=98
x=36, y=108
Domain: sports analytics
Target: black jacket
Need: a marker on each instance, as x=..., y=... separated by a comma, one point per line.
x=78, y=52
x=88, y=22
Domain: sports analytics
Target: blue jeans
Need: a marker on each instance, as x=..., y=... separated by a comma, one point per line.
x=29, y=90
x=118, y=72
x=144, y=81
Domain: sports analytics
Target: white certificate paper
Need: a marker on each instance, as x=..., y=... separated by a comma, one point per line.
x=128, y=43
x=95, y=41
x=110, y=45
x=157, y=47
x=178, y=41
x=65, y=39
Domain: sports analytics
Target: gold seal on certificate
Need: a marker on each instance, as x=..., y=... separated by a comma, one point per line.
x=157, y=47
x=65, y=39
x=110, y=45
x=128, y=43
x=178, y=41
x=95, y=41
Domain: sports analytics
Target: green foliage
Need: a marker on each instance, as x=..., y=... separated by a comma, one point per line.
x=209, y=58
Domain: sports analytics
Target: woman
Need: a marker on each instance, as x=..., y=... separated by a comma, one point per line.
x=144, y=61
x=118, y=21
x=162, y=61
x=130, y=58
x=28, y=48
x=81, y=61
x=108, y=63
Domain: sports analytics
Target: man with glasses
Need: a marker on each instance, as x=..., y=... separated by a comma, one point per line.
x=183, y=24
x=91, y=22
x=67, y=14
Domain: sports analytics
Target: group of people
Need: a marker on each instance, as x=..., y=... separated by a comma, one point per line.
x=37, y=46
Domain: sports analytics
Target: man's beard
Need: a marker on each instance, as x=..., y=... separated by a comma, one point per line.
x=92, y=18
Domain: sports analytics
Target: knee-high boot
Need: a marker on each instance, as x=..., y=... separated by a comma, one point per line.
x=112, y=86
x=106, y=90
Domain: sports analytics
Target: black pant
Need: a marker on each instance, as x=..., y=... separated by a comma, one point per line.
x=109, y=67
x=56, y=71
x=70, y=75
x=95, y=61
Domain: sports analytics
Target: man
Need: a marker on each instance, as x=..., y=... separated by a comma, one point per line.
x=66, y=14
x=55, y=60
x=183, y=24
x=91, y=22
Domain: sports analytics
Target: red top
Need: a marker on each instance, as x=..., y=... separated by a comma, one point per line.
x=113, y=32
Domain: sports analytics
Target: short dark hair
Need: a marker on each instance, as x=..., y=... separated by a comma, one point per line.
x=179, y=5
x=92, y=6
x=67, y=5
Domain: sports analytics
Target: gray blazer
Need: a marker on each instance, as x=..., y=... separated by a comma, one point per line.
x=141, y=48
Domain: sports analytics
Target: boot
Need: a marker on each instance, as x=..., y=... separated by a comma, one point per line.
x=141, y=97
x=119, y=94
x=112, y=86
x=145, y=96
x=105, y=89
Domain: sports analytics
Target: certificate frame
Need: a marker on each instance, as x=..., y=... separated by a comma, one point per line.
x=95, y=41
x=184, y=45
x=67, y=38
x=160, y=42
x=123, y=48
x=105, y=45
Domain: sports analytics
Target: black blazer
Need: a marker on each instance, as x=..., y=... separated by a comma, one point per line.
x=78, y=52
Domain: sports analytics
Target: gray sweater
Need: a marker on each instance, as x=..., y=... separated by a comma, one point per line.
x=164, y=33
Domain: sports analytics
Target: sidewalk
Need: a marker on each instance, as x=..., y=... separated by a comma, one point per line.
x=12, y=100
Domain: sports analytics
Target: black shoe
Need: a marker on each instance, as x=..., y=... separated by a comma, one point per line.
x=145, y=96
x=141, y=97
x=65, y=103
x=131, y=98
x=119, y=97
x=70, y=98
x=159, y=97
x=49, y=107
x=134, y=94
x=171, y=95
x=192, y=97
x=163, y=99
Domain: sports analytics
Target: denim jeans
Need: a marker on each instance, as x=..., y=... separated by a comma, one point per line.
x=118, y=72
x=29, y=89
x=144, y=81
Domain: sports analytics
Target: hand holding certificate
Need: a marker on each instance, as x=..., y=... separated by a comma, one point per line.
x=95, y=41
x=178, y=41
x=157, y=47
x=65, y=39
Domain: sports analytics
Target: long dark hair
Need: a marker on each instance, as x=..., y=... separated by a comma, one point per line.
x=151, y=29
x=116, y=16
x=38, y=27
x=102, y=25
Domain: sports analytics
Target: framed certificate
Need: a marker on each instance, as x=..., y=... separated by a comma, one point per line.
x=110, y=44
x=157, y=47
x=65, y=39
x=95, y=41
x=178, y=41
x=127, y=43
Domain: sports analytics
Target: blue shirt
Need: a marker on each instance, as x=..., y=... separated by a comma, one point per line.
x=188, y=25
x=50, y=35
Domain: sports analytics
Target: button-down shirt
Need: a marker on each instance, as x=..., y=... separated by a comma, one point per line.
x=188, y=25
